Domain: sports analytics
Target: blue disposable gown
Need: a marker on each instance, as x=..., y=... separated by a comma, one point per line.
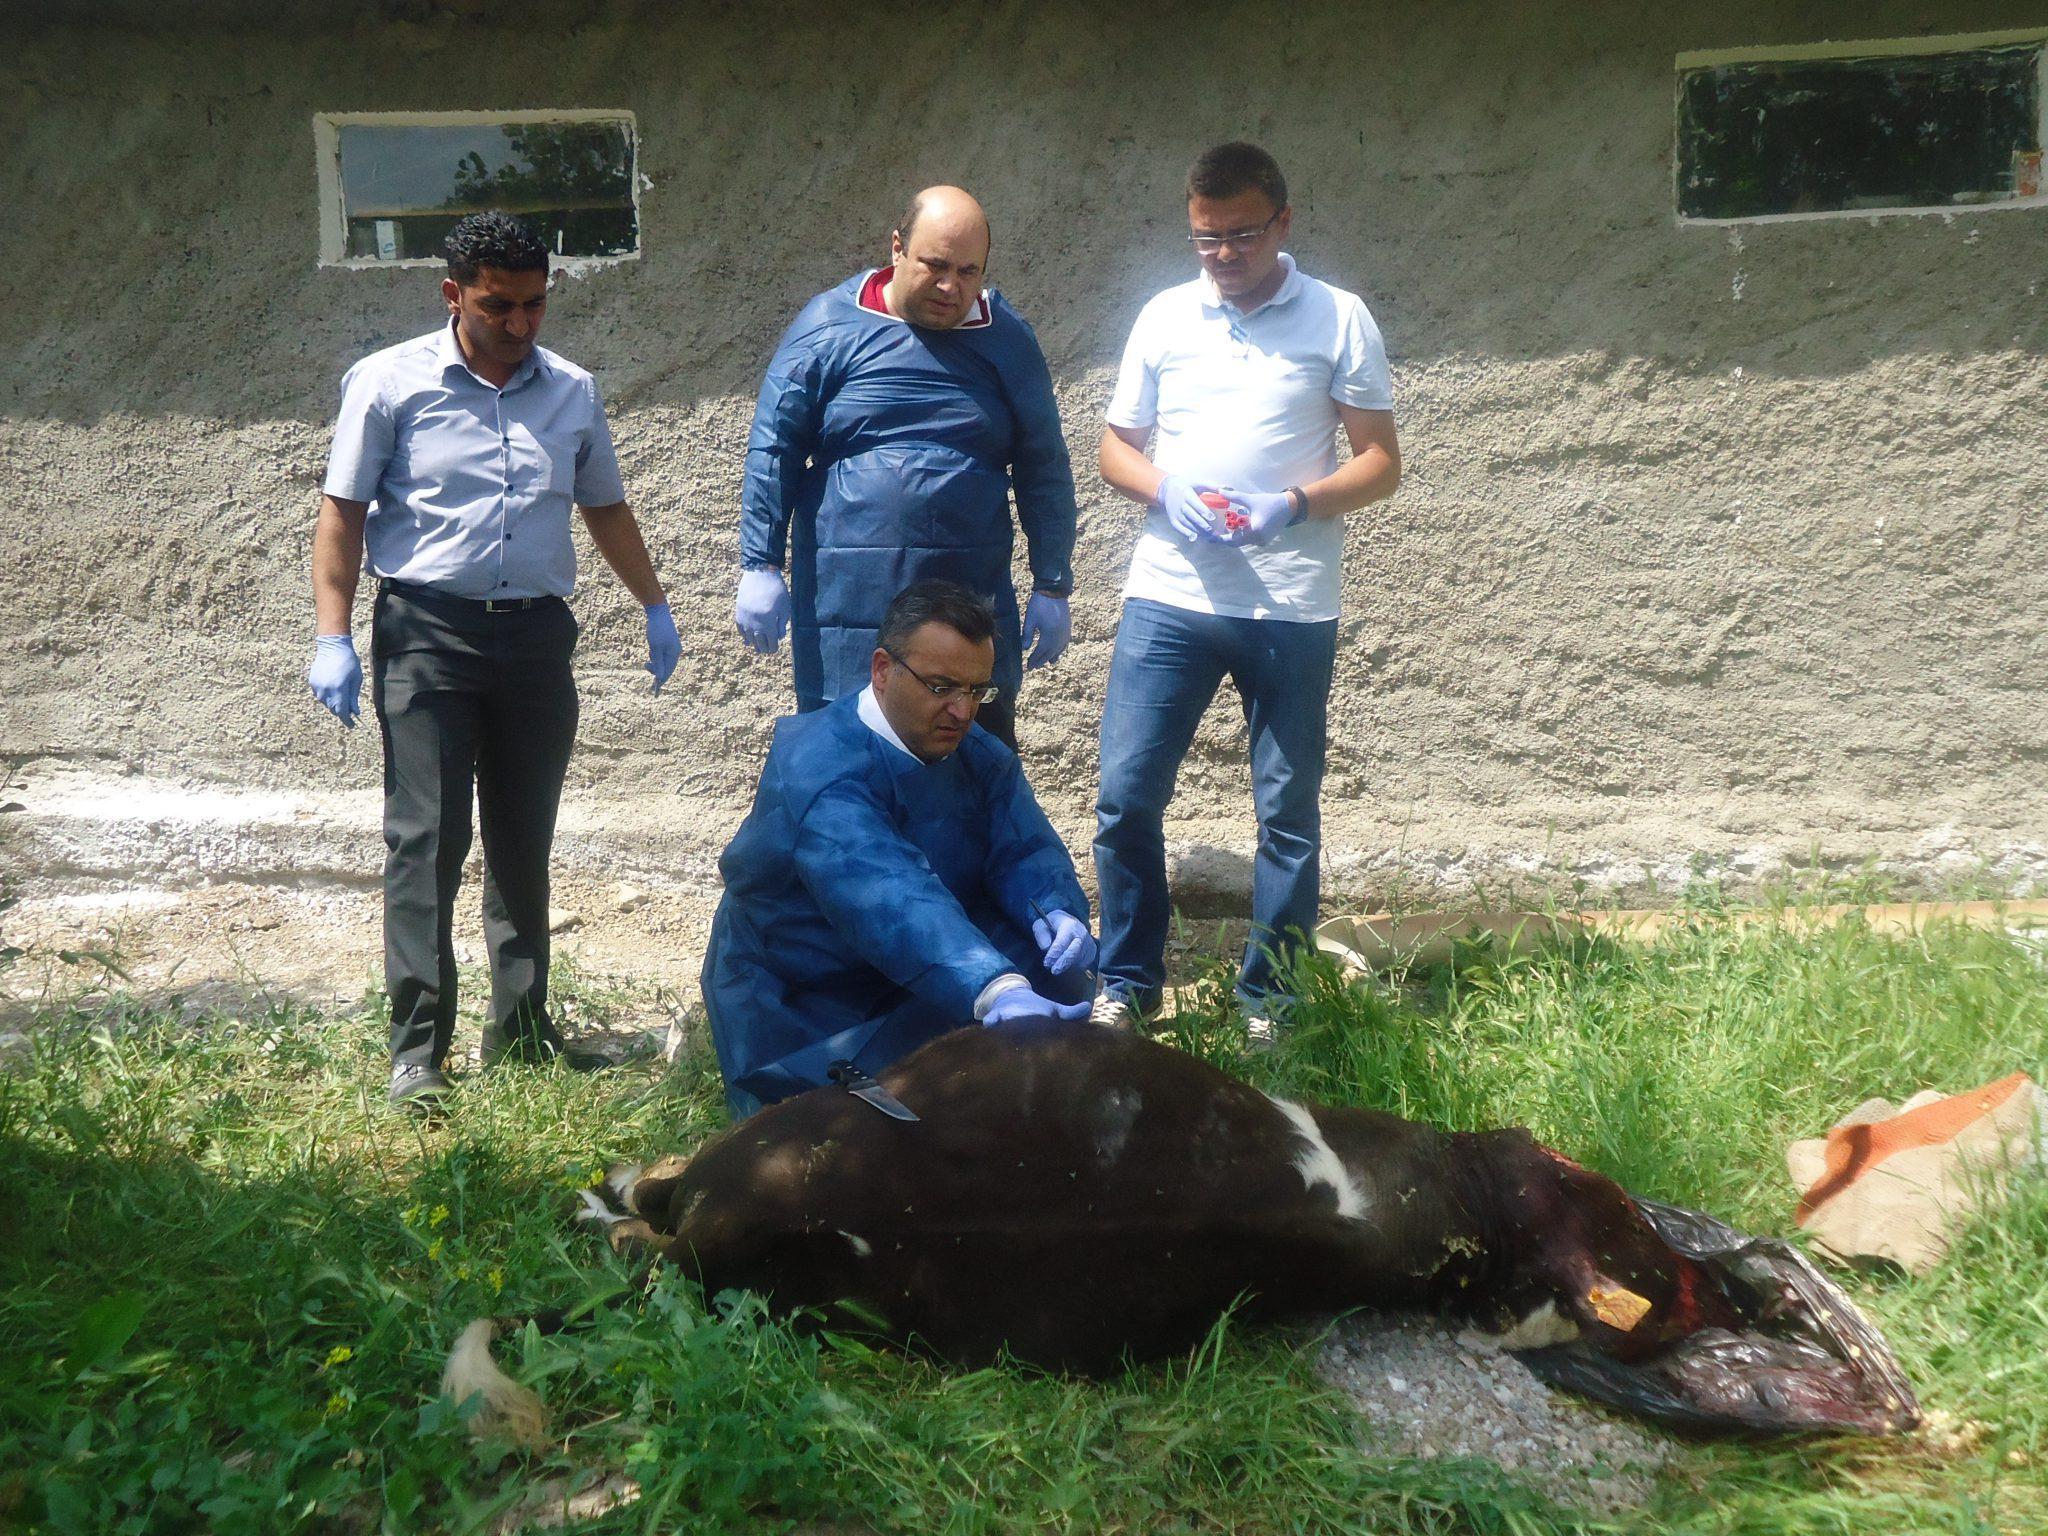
x=869, y=898
x=882, y=453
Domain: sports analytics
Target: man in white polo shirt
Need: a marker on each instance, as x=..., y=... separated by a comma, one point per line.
x=1238, y=382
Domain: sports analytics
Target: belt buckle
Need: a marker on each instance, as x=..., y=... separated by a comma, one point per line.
x=506, y=604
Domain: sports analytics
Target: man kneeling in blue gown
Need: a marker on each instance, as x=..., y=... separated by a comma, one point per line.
x=895, y=878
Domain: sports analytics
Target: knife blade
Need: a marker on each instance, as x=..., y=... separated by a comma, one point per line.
x=861, y=1086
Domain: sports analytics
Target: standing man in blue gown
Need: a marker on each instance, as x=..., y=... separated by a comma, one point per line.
x=895, y=878
x=897, y=416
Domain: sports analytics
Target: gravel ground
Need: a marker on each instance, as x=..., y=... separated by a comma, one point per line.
x=1427, y=1390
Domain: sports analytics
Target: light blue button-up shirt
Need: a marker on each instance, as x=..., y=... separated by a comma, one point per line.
x=470, y=486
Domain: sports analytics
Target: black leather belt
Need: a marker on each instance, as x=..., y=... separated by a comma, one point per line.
x=482, y=604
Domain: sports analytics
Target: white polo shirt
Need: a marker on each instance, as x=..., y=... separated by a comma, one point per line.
x=1248, y=402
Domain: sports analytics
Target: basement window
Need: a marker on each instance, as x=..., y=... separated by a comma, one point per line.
x=1913, y=125
x=393, y=184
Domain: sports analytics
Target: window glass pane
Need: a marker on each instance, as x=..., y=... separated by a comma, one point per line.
x=404, y=185
x=1819, y=135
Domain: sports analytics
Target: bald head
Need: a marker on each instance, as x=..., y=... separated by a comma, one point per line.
x=954, y=207
x=940, y=253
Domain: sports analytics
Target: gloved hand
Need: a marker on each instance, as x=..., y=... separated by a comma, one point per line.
x=1065, y=942
x=1182, y=503
x=762, y=611
x=1049, y=622
x=664, y=645
x=336, y=677
x=1265, y=516
x=1021, y=1005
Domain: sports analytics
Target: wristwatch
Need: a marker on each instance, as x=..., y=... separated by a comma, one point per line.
x=1298, y=499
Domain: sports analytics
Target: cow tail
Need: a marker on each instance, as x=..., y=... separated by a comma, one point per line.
x=506, y=1408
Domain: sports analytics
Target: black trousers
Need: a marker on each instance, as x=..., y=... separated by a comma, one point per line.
x=468, y=701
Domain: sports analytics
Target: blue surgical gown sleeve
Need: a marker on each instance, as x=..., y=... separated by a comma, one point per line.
x=1040, y=472
x=1029, y=868
x=882, y=896
x=786, y=424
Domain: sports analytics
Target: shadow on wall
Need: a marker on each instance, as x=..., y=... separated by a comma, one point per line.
x=1501, y=191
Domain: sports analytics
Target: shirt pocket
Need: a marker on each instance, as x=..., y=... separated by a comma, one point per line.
x=544, y=460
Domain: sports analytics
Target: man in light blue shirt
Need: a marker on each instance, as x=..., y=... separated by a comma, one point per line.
x=456, y=459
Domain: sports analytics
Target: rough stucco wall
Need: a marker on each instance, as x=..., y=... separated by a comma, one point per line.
x=1709, y=545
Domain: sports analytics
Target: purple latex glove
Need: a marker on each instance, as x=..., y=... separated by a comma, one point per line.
x=1021, y=1005
x=762, y=610
x=1265, y=516
x=1049, y=622
x=1065, y=942
x=1182, y=503
x=664, y=645
x=336, y=677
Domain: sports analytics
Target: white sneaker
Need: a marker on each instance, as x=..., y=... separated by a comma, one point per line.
x=1264, y=1020
x=1112, y=1012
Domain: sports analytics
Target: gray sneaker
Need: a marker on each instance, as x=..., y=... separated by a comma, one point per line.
x=418, y=1090
x=1265, y=1020
x=1112, y=1011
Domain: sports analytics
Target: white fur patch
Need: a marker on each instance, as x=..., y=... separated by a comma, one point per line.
x=1317, y=1164
x=1542, y=1327
x=621, y=1180
x=861, y=1246
x=595, y=1209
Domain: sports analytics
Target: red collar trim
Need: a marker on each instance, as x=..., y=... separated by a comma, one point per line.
x=872, y=301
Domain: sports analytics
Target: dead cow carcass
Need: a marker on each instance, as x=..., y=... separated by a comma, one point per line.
x=1083, y=1197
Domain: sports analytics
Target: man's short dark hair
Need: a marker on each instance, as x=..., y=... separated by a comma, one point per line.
x=493, y=238
x=936, y=600
x=1230, y=169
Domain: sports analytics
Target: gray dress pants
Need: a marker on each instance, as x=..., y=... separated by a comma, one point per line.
x=469, y=701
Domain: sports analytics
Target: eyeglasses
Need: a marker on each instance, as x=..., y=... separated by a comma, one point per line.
x=1209, y=244
x=980, y=693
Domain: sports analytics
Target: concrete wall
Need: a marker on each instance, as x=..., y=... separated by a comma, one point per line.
x=1715, y=548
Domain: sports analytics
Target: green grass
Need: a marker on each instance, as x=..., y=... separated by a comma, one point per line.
x=227, y=1279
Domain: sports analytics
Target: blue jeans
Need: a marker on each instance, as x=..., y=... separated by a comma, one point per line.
x=1167, y=666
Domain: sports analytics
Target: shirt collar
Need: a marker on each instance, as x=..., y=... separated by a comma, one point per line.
x=871, y=716
x=451, y=357
x=1290, y=285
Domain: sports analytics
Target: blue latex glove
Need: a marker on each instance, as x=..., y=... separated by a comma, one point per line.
x=1065, y=942
x=336, y=677
x=1049, y=622
x=762, y=611
x=1265, y=516
x=1183, y=506
x=664, y=645
x=1021, y=1005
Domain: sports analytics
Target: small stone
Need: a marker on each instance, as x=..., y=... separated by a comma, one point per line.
x=629, y=898
x=561, y=920
x=1396, y=1384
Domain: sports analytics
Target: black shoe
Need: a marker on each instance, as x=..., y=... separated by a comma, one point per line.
x=418, y=1090
x=537, y=1048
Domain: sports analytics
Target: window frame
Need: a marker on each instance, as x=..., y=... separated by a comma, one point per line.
x=1872, y=48
x=327, y=128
